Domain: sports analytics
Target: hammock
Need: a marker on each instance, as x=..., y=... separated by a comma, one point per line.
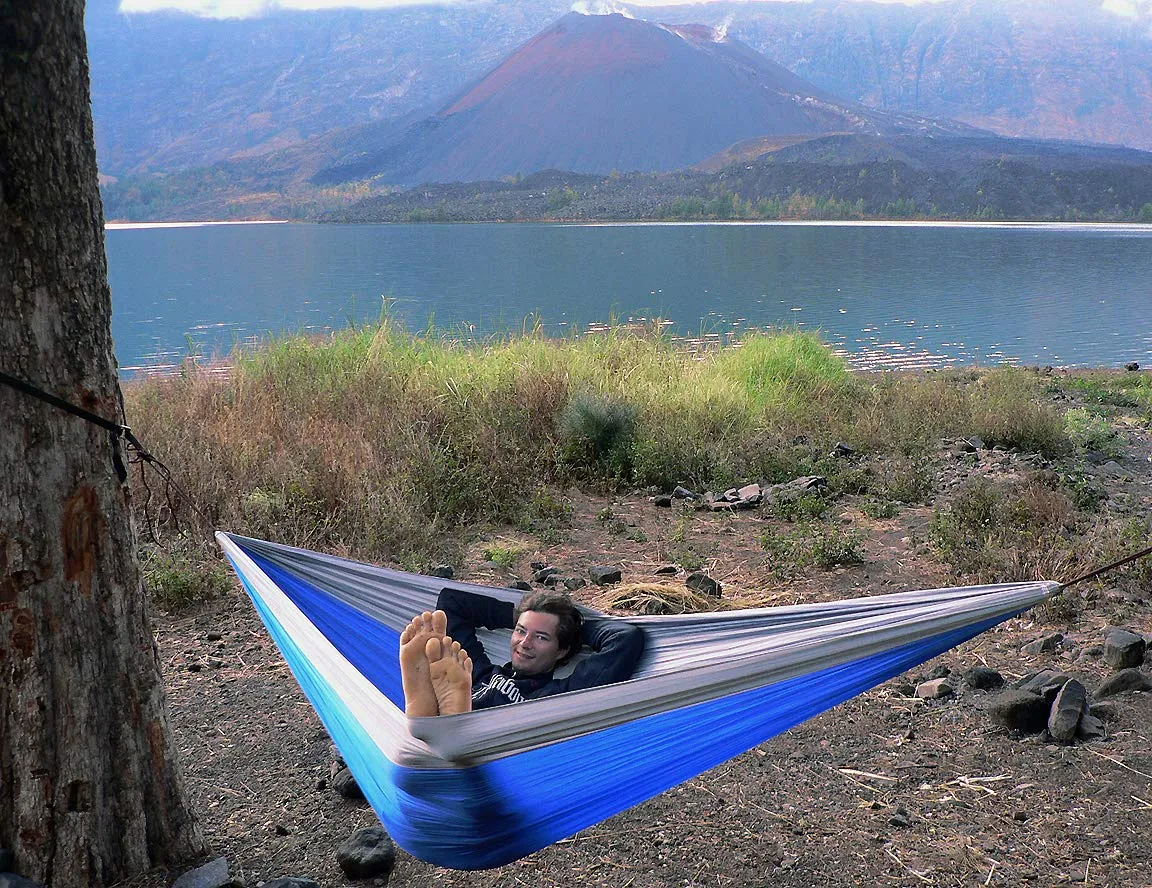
x=485, y=788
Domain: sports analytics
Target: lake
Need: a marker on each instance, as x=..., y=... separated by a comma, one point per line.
x=894, y=295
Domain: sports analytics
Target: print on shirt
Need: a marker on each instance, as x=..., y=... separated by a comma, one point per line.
x=502, y=684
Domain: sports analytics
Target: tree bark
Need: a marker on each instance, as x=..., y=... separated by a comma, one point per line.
x=89, y=792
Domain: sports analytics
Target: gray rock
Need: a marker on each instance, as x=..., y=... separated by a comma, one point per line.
x=704, y=584
x=940, y=671
x=574, y=583
x=841, y=449
x=367, y=853
x=1019, y=710
x=345, y=785
x=975, y=442
x=552, y=581
x=544, y=573
x=1113, y=469
x=935, y=689
x=1067, y=709
x=667, y=570
x=792, y=490
x=538, y=565
x=213, y=874
x=214, y=636
x=1105, y=710
x=1090, y=728
x=11, y=880
x=1043, y=645
x=1047, y=681
x=982, y=678
x=1124, y=680
x=749, y=493
x=901, y=818
x=443, y=571
x=663, y=501
x=1123, y=649
x=520, y=586
x=604, y=576
x=684, y=493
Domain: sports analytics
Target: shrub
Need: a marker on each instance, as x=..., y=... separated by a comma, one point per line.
x=1001, y=532
x=1088, y=431
x=599, y=433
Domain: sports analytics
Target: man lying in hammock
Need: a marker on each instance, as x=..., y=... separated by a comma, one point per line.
x=445, y=670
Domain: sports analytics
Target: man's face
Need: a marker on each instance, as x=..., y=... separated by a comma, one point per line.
x=535, y=647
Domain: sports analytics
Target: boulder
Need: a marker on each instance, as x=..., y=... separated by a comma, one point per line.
x=544, y=573
x=604, y=576
x=1066, y=711
x=935, y=689
x=1019, y=710
x=213, y=874
x=520, y=586
x=1123, y=649
x=1046, y=682
x=982, y=678
x=1043, y=645
x=684, y=493
x=1124, y=680
x=574, y=583
x=1090, y=728
x=663, y=501
x=704, y=584
x=1105, y=710
x=345, y=785
x=366, y=854
x=792, y=490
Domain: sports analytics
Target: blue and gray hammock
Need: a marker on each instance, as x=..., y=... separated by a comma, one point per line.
x=485, y=788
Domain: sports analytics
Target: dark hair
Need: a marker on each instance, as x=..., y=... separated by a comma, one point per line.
x=571, y=621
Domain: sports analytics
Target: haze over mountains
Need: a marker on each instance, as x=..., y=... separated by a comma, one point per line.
x=171, y=91
x=595, y=93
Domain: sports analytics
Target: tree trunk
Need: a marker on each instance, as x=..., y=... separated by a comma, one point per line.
x=88, y=788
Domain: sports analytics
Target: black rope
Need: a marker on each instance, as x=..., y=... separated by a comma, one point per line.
x=1108, y=567
x=116, y=432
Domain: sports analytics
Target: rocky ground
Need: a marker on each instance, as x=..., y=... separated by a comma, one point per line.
x=886, y=789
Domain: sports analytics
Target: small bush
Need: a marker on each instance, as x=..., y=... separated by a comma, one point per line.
x=505, y=556
x=1002, y=532
x=880, y=509
x=907, y=480
x=804, y=508
x=822, y=544
x=1090, y=432
x=176, y=580
x=598, y=433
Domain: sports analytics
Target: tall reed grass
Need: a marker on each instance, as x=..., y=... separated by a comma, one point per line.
x=391, y=445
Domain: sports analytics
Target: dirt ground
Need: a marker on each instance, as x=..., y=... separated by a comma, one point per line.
x=885, y=789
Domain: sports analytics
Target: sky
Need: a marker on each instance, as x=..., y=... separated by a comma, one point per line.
x=252, y=8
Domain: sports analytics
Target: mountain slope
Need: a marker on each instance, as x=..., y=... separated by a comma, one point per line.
x=601, y=93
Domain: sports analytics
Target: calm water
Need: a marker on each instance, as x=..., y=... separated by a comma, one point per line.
x=886, y=295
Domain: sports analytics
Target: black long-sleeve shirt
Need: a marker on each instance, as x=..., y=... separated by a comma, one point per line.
x=616, y=648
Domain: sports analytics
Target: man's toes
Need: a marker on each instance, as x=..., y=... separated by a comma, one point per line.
x=433, y=650
x=439, y=621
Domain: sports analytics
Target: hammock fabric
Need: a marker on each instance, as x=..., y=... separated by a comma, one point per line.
x=484, y=788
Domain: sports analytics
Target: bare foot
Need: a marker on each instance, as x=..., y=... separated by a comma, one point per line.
x=419, y=695
x=451, y=671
